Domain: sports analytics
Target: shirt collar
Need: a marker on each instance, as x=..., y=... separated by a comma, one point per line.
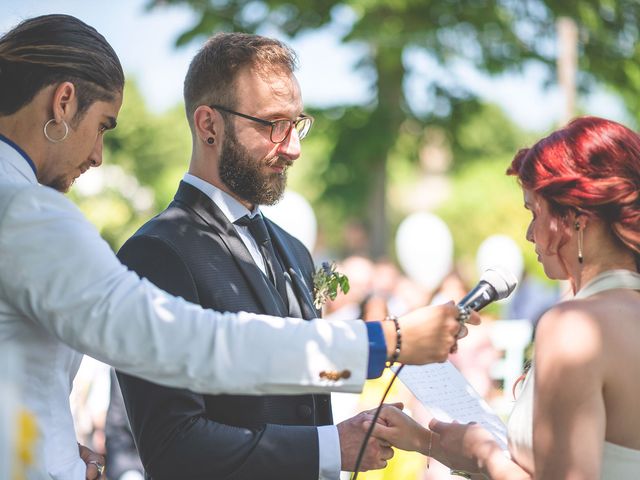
x=231, y=208
x=18, y=158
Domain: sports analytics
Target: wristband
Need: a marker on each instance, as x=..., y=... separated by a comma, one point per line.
x=396, y=352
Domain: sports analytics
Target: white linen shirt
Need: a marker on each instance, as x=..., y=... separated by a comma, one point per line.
x=63, y=291
x=328, y=440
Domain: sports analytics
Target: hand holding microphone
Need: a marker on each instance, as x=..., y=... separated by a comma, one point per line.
x=495, y=284
x=429, y=334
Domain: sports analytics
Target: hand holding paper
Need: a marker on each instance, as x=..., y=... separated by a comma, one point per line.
x=445, y=393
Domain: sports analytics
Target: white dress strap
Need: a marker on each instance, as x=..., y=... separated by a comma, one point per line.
x=610, y=280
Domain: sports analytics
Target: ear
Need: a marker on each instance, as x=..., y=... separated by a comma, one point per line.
x=64, y=102
x=577, y=220
x=207, y=123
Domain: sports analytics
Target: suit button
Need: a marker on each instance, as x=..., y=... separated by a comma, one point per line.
x=333, y=375
x=304, y=411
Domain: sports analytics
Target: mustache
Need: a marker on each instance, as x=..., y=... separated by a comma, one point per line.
x=279, y=162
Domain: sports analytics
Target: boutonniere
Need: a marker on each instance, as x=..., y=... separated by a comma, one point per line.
x=326, y=283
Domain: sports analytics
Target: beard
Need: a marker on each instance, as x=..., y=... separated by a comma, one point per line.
x=62, y=184
x=244, y=177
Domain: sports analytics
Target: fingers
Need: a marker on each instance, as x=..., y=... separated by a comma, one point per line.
x=366, y=417
x=390, y=410
x=84, y=452
x=377, y=455
x=94, y=462
x=471, y=316
x=462, y=332
x=386, y=453
x=430, y=333
x=387, y=411
x=380, y=431
x=451, y=328
x=398, y=405
x=437, y=426
x=450, y=309
x=474, y=318
x=92, y=472
x=455, y=328
x=390, y=415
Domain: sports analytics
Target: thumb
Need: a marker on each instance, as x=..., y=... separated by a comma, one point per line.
x=437, y=426
x=474, y=318
x=398, y=405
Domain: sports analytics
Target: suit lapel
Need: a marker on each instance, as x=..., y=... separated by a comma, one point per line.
x=206, y=209
x=293, y=273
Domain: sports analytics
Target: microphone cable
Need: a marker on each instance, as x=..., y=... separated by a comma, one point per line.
x=363, y=447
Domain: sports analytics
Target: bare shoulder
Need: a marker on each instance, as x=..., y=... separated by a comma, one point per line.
x=570, y=331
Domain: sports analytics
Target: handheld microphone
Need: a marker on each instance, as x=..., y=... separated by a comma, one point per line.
x=495, y=284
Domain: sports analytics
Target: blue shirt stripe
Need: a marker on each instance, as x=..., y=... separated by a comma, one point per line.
x=377, y=349
x=21, y=152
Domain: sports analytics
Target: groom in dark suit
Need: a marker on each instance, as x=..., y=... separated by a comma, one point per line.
x=212, y=246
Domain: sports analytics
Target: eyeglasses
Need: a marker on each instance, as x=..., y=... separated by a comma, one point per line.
x=280, y=129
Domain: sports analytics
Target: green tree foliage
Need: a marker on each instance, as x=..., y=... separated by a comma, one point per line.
x=482, y=200
x=493, y=35
x=609, y=44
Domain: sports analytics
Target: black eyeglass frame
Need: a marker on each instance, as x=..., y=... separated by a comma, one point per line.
x=273, y=123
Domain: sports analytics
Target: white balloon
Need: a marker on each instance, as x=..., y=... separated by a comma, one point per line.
x=500, y=251
x=294, y=214
x=424, y=247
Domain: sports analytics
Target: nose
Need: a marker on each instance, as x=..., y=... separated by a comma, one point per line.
x=290, y=147
x=96, y=154
x=529, y=235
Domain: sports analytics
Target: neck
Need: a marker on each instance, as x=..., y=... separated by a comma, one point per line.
x=208, y=171
x=24, y=131
x=586, y=272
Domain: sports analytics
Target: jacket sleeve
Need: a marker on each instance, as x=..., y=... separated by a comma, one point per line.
x=175, y=438
x=56, y=271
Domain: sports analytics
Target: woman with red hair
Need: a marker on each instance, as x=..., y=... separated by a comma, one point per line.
x=580, y=420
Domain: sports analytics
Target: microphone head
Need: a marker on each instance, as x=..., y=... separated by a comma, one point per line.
x=502, y=281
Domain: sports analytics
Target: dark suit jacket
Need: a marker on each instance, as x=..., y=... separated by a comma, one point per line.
x=193, y=251
x=122, y=455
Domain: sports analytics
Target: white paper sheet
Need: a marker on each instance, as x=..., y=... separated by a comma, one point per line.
x=448, y=396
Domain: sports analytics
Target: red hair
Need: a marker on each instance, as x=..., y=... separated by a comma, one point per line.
x=591, y=166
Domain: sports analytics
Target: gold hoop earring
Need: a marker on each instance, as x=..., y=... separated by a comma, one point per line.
x=580, y=240
x=56, y=140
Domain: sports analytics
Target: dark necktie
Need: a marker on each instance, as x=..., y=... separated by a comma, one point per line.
x=260, y=234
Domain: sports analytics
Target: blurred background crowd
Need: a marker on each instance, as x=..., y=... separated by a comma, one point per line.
x=422, y=105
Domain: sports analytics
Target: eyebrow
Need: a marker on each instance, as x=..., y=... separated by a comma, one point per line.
x=279, y=115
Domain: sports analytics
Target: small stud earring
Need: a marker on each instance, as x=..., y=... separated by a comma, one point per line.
x=211, y=140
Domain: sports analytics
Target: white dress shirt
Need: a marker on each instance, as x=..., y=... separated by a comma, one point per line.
x=63, y=291
x=328, y=439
